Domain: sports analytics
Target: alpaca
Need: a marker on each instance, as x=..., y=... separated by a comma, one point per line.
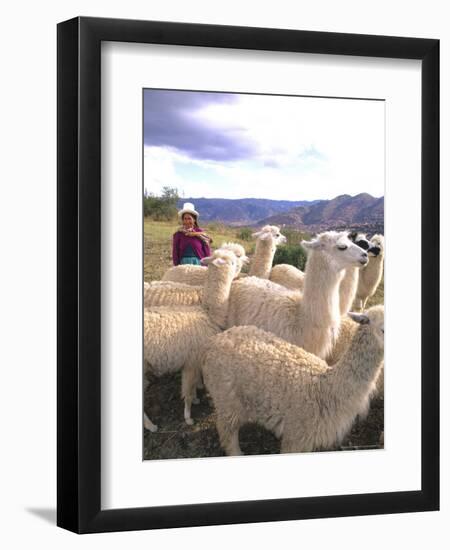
x=175, y=337
x=370, y=276
x=195, y=275
x=293, y=278
x=267, y=240
x=349, y=283
x=288, y=276
x=253, y=376
x=310, y=320
x=347, y=332
x=169, y=293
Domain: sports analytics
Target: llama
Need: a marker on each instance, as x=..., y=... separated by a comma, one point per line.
x=195, y=275
x=267, y=240
x=175, y=337
x=169, y=293
x=310, y=320
x=294, y=279
x=347, y=332
x=370, y=276
x=288, y=276
x=349, y=283
x=254, y=376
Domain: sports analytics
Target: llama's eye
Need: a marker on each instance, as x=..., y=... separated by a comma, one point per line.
x=342, y=246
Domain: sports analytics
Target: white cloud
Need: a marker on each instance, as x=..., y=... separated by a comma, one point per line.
x=307, y=148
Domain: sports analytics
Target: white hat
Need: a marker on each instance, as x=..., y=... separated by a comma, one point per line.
x=188, y=208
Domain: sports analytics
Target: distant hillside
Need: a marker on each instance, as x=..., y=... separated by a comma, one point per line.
x=361, y=212
x=240, y=211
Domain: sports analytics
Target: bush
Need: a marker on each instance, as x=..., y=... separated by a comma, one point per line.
x=294, y=236
x=245, y=234
x=163, y=207
x=292, y=254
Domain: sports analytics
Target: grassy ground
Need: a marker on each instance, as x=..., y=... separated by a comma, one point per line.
x=158, y=245
x=162, y=401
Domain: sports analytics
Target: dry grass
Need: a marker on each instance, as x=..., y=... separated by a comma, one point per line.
x=158, y=245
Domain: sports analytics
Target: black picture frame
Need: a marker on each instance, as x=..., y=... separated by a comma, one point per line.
x=79, y=275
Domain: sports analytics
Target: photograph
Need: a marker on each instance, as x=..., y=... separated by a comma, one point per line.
x=263, y=270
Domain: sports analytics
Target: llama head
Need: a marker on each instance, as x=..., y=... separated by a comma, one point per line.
x=239, y=252
x=270, y=233
x=360, y=240
x=221, y=259
x=338, y=249
x=377, y=246
x=373, y=318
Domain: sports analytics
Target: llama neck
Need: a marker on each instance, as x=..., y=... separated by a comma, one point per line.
x=319, y=315
x=263, y=259
x=321, y=290
x=353, y=374
x=347, y=289
x=374, y=269
x=216, y=293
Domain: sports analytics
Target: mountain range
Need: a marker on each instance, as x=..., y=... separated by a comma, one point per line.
x=241, y=211
x=362, y=212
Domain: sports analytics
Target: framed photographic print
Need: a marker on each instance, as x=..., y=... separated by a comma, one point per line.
x=235, y=207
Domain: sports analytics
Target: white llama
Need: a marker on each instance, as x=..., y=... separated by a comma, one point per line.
x=253, y=376
x=310, y=320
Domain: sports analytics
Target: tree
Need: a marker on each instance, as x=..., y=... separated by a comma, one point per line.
x=163, y=207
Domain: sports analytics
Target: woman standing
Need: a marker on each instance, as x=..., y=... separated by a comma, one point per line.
x=190, y=243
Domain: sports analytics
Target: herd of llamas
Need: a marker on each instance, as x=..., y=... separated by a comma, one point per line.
x=295, y=352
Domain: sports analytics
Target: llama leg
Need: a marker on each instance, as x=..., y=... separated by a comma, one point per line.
x=148, y=424
x=229, y=435
x=294, y=442
x=200, y=385
x=188, y=391
x=195, y=400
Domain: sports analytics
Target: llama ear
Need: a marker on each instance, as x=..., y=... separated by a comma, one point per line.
x=219, y=261
x=257, y=234
x=311, y=244
x=359, y=318
x=265, y=236
x=352, y=235
x=207, y=260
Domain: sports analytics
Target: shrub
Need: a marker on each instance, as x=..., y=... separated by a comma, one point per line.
x=292, y=254
x=294, y=236
x=163, y=207
x=245, y=234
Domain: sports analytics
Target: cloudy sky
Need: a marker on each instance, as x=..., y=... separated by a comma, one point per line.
x=277, y=147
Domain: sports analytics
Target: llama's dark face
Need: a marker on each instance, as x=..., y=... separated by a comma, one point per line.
x=360, y=240
x=376, y=245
